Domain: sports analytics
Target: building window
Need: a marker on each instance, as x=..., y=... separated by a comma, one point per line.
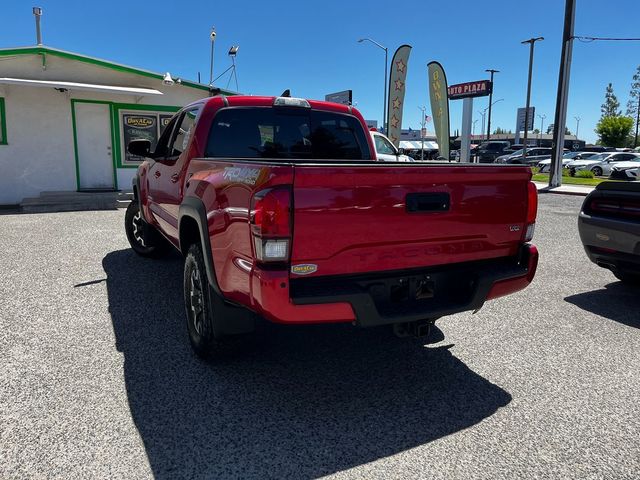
x=140, y=124
x=3, y=123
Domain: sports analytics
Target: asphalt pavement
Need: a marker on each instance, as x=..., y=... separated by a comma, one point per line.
x=97, y=379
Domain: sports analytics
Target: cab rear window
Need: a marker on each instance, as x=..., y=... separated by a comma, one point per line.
x=286, y=133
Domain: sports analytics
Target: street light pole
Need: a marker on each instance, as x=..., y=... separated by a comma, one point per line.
x=483, y=113
x=423, y=124
x=212, y=36
x=541, y=117
x=385, y=122
x=492, y=71
x=531, y=43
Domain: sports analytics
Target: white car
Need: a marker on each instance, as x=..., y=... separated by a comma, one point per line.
x=626, y=170
x=545, y=165
x=603, y=166
x=386, y=151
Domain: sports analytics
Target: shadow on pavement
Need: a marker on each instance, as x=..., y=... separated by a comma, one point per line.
x=307, y=402
x=616, y=301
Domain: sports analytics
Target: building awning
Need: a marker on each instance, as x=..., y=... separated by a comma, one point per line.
x=417, y=145
x=80, y=86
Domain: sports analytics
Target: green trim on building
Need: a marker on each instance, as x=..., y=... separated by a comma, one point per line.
x=115, y=125
x=44, y=51
x=3, y=123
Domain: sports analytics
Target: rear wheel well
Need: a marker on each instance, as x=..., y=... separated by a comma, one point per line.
x=189, y=233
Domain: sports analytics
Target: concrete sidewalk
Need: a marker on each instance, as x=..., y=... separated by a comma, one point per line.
x=580, y=190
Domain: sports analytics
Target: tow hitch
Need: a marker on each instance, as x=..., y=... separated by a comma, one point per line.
x=419, y=329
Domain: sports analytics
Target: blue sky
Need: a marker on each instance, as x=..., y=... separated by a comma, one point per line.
x=311, y=47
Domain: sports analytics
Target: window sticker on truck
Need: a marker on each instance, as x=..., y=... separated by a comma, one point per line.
x=304, y=269
x=244, y=175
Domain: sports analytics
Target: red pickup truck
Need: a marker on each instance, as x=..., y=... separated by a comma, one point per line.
x=282, y=211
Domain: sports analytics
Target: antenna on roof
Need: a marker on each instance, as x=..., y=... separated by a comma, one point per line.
x=37, y=12
x=286, y=93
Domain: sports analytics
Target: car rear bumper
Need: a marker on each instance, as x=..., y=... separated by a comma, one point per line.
x=391, y=297
x=611, y=243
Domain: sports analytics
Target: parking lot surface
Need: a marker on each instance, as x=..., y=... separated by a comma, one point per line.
x=97, y=378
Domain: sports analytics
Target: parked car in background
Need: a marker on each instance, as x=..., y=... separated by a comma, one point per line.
x=609, y=226
x=604, y=163
x=533, y=157
x=625, y=171
x=545, y=165
x=487, y=152
x=387, y=151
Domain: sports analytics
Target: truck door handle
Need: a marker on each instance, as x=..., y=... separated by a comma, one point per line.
x=157, y=174
x=175, y=177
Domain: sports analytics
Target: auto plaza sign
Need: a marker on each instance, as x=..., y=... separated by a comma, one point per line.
x=470, y=89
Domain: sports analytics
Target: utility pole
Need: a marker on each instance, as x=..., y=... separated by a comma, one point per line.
x=577, y=126
x=531, y=42
x=491, y=71
x=555, y=177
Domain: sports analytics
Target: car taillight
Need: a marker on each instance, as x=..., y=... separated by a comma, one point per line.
x=271, y=224
x=617, y=208
x=532, y=211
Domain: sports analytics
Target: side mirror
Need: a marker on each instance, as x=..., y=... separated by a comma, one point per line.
x=139, y=148
x=401, y=151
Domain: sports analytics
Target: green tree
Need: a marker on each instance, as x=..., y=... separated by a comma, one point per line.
x=499, y=131
x=634, y=96
x=614, y=131
x=611, y=105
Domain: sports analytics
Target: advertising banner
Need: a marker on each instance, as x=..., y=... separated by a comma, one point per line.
x=397, y=84
x=439, y=106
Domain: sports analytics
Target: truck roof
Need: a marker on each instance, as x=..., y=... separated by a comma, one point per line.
x=263, y=101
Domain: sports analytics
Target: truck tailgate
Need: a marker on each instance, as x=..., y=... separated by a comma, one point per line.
x=371, y=218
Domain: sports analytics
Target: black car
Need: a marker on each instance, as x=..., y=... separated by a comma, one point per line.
x=487, y=152
x=609, y=227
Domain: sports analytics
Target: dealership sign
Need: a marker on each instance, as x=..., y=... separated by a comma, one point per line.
x=469, y=89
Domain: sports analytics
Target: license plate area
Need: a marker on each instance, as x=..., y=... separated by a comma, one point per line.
x=423, y=292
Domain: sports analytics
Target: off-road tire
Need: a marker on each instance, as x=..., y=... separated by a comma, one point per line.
x=143, y=238
x=203, y=308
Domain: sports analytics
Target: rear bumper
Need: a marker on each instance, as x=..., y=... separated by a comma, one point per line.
x=611, y=243
x=391, y=297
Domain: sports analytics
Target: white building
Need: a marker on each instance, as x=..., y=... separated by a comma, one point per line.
x=65, y=120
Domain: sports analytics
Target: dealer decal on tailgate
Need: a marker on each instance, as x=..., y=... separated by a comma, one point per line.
x=304, y=269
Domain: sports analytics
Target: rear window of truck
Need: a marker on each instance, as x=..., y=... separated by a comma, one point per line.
x=264, y=132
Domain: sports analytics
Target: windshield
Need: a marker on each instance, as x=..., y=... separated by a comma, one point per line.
x=516, y=153
x=599, y=157
x=263, y=132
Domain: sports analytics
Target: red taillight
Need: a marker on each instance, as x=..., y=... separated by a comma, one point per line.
x=621, y=208
x=532, y=203
x=532, y=211
x=271, y=224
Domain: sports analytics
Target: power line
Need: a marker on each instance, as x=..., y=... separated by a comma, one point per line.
x=606, y=39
